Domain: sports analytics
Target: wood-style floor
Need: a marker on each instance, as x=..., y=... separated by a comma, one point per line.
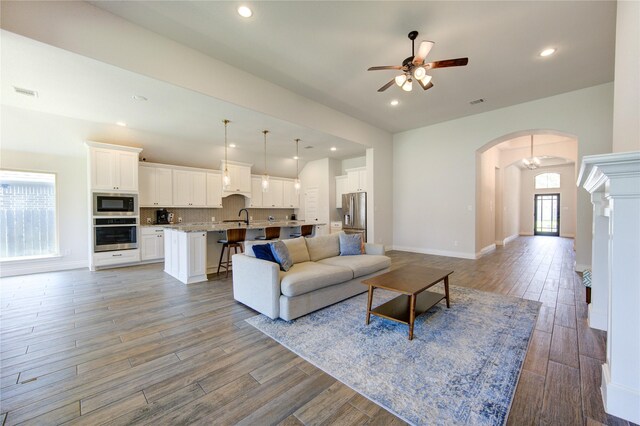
x=134, y=345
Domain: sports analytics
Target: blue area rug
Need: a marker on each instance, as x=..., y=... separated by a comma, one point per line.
x=462, y=366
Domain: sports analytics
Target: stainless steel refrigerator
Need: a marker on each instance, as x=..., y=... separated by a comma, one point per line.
x=354, y=214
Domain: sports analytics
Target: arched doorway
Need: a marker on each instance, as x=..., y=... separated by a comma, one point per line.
x=505, y=187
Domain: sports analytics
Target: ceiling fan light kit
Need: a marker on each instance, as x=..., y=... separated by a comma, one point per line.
x=414, y=66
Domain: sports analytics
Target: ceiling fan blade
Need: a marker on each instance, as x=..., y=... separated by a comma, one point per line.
x=427, y=86
x=459, y=62
x=423, y=51
x=386, y=86
x=388, y=67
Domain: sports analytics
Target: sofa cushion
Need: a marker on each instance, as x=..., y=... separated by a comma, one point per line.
x=309, y=276
x=362, y=264
x=297, y=250
x=264, y=252
x=281, y=254
x=323, y=246
x=350, y=244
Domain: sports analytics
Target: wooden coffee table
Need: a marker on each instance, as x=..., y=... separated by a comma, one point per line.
x=411, y=281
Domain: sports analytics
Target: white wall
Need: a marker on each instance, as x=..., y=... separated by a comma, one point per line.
x=42, y=142
x=487, y=209
x=626, y=100
x=352, y=163
x=434, y=174
x=567, y=198
x=84, y=29
x=511, y=202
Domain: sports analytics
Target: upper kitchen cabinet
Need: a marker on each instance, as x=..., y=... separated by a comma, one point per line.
x=189, y=188
x=214, y=189
x=274, y=197
x=240, y=174
x=256, y=193
x=342, y=185
x=357, y=179
x=291, y=198
x=156, y=186
x=113, y=167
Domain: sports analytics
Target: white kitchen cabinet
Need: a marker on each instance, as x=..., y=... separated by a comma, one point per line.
x=357, y=180
x=256, y=193
x=186, y=255
x=189, y=188
x=156, y=186
x=214, y=189
x=113, y=168
x=291, y=198
x=240, y=175
x=151, y=243
x=342, y=183
x=274, y=197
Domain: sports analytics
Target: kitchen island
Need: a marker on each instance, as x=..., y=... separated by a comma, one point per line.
x=192, y=250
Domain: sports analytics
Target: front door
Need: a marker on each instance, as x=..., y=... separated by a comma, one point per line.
x=547, y=214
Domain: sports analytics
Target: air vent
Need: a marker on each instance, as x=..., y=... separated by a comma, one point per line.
x=477, y=101
x=308, y=147
x=26, y=92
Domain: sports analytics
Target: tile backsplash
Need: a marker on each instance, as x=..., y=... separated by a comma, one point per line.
x=229, y=211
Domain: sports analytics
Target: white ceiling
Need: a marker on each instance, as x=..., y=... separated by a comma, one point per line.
x=173, y=124
x=321, y=49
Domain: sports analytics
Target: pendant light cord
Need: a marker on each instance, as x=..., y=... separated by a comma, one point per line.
x=297, y=159
x=225, y=121
x=265, y=151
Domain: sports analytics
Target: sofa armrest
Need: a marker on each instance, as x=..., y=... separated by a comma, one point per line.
x=256, y=283
x=370, y=248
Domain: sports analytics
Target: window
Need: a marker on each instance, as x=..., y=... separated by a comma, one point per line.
x=27, y=215
x=548, y=181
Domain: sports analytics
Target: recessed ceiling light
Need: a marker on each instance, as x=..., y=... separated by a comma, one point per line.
x=121, y=123
x=139, y=98
x=295, y=157
x=333, y=148
x=232, y=145
x=394, y=102
x=245, y=12
x=548, y=52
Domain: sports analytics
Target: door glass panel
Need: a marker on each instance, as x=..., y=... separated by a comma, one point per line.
x=547, y=214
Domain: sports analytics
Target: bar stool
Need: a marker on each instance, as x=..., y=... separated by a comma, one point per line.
x=234, y=239
x=270, y=233
x=305, y=230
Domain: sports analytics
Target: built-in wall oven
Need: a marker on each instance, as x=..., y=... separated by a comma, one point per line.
x=118, y=233
x=105, y=204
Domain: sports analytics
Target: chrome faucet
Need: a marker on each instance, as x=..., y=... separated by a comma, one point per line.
x=247, y=212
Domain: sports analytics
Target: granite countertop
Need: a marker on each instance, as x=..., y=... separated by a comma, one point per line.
x=223, y=226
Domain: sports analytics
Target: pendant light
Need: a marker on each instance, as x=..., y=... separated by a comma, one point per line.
x=226, y=178
x=265, y=176
x=296, y=183
x=532, y=162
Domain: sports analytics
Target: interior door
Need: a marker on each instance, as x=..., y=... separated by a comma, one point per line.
x=547, y=214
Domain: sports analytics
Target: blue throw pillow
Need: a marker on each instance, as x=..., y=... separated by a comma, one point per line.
x=281, y=254
x=263, y=251
x=350, y=244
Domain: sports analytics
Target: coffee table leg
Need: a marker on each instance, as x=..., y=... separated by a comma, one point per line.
x=412, y=315
x=369, y=301
x=446, y=289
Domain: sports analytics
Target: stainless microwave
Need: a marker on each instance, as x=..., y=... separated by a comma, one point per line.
x=115, y=204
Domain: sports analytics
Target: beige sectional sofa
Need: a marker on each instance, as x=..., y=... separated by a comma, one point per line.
x=319, y=276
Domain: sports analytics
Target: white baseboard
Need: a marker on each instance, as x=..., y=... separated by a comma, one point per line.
x=485, y=250
x=619, y=401
x=446, y=253
x=11, y=269
x=580, y=267
x=506, y=240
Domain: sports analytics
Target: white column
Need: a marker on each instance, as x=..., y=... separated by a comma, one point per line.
x=599, y=306
x=617, y=178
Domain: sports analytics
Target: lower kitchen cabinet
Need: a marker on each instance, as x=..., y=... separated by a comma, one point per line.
x=151, y=243
x=186, y=255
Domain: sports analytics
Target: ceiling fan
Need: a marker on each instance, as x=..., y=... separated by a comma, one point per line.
x=414, y=67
